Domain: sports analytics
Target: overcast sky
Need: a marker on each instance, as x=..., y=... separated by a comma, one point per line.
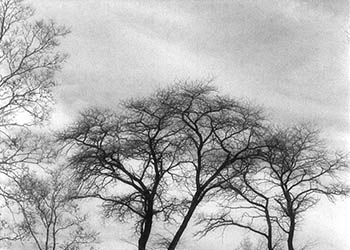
x=291, y=56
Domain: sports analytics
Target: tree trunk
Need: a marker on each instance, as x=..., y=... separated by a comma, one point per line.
x=269, y=226
x=146, y=231
x=184, y=224
x=291, y=233
x=291, y=214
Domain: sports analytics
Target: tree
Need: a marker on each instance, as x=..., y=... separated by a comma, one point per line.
x=301, y=170
x=184, y=134
x=124, y=159
x=28, y=61
x=245, y=202
x=45, y=215
x=219, y=133
x=286, y=178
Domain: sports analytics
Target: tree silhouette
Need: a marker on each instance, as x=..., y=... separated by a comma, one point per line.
x=124, y=160
x=184, y=134
x=301, y=170
x=292, y=171
x=44, y=212
x=28, y=61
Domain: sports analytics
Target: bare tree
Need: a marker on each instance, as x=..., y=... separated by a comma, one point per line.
x=245, y=202
x=21, y=150
x=184, y=134
x=286, y=178
x=123, y=160
x=219, y=133
x=44, y=213
x=28, y=61
x=301, y=170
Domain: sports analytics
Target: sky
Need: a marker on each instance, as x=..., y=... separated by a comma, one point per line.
x=290, y=56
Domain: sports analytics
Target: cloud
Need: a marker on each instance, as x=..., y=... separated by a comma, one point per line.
x=289, y=55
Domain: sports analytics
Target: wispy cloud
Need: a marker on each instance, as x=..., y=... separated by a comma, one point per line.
x=290, y=55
